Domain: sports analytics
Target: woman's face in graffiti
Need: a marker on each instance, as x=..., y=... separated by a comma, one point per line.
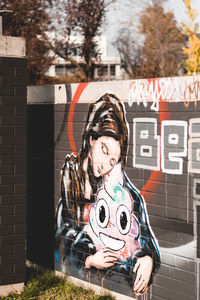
x=104, y=154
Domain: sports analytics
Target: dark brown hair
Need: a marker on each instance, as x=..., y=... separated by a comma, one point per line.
x=106, y=117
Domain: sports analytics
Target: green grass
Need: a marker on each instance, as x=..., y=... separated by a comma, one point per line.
x=44, y=285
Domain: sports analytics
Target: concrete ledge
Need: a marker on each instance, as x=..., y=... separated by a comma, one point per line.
x=141, y=91
x=16, y=288
x=12, y=46
x=97, y=289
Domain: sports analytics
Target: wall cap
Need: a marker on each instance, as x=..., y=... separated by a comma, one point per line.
x=12, y=46
x=154, y=90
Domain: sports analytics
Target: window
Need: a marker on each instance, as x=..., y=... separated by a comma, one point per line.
x=102, y=70
x=60, y=70
x=112, y=70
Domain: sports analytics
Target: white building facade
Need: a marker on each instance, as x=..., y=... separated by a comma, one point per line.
x=106, y=68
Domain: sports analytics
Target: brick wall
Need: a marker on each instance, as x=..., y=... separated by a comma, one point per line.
x=13, y=160
x=163, y=163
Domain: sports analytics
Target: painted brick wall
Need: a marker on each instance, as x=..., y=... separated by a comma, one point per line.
x=163, y=163
x=13, y=160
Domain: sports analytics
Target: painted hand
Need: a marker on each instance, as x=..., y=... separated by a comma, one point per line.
x=102, y=259
x=143, y=268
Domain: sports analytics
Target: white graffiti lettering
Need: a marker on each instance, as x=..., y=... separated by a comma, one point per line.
x=151, y=154
x=163, y=89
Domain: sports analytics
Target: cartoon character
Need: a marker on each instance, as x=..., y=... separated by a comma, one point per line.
x=112, y=223
x=117, y=238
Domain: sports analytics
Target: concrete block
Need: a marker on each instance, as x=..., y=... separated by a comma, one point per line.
x=12, y=46
x=40, y=94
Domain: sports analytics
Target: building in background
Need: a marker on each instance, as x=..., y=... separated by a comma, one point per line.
x=107, y=67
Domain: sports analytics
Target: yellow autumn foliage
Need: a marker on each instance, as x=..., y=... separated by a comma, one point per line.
x=192, y=51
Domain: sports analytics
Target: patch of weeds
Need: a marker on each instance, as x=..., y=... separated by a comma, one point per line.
x=44, y=285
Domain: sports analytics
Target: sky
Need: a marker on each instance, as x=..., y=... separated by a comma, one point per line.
x=118, y=15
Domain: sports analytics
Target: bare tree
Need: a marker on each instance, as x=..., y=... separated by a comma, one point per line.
x=130, y=52
x=84, y=19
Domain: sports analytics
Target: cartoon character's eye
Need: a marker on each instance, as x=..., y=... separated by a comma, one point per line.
x=102, y=213
x=123, y=219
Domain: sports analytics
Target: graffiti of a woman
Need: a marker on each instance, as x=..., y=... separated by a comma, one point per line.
x=104, y=146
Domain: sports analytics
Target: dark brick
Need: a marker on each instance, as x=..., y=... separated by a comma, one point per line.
x=198, y=252
x=198, y=217
x=13, y=100
x=14, y=140
x=13, y=159
x=6, y=189
x=5, y=91
x=12, y=278
x=6, y=230
x=6, y=210
x=6, y=250
x=19, y=229
x=13, y=81
x=184, y=276
x=173, y=225
x=21, y=130
x=13, y=179
x=20, y=110
x=20, y=188
x=6, y=111
x=13, y=199
x=9, y=149
x=20, y=268
x=13, y=120
x=6, y=269
x=20, y=71
x=12, y=219
x=20, y=169
x=20, y=91
x=7, y=71
x=20, y=149
x=16, y=62
x=185, y=288
x=183, y=263
x=6, y=130
x=19, y=209
x=13, y=239
x=20, y=248
x=169, y=294
x=13, y=259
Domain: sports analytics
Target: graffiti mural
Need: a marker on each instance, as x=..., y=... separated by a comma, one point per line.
x=102, y=225
x=127, y=186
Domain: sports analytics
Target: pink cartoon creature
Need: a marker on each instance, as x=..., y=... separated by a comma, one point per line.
x=112, y=227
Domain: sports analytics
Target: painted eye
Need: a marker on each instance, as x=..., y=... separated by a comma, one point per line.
x=102, y=213
x=123, y=219
x=104, y=148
